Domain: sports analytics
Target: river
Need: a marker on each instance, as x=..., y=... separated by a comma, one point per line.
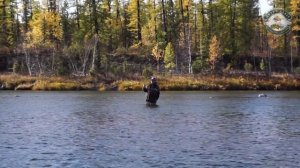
x=117, y=129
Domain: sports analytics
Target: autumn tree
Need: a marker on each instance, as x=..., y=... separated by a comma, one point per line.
x=43, y=37
x=214, y=53
x=158, y=54
x=295, y=10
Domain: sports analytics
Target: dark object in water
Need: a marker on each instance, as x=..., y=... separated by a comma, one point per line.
x=262, y=95
x=153, y=91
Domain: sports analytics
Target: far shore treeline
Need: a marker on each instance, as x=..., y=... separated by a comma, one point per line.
x=118, y=44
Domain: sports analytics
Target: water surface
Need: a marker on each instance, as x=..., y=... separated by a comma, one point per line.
x=117, y=129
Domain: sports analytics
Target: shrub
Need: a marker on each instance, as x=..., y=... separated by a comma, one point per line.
x=16, y=67
x=228, y=67
x=262, y=66
x=92, y=71
x=121, y=51
x=117, y=69
x=62, y=70
x=248, y=67
x=297, y=70
x=199, y=65
x=147, y=72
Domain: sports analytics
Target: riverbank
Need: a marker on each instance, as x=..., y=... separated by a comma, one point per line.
x=170, y=83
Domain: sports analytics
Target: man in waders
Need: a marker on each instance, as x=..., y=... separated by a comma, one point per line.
x=152, y=92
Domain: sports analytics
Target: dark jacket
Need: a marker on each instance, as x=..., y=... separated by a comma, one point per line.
x=153, y=92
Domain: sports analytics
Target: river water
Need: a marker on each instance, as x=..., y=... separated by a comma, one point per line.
x=117, y=129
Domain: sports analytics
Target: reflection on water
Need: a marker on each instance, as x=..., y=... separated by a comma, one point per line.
x=117, y=129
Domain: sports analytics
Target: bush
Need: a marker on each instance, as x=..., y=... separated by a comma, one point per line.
x=199, y=65
x=61, y=71
x=248, y=67
x=92, y=71
x=16, y=67
x=121, y=51
x=116, y=69
x=228, y=67
x=297, y=70
x=262, y=66
x=147, y=73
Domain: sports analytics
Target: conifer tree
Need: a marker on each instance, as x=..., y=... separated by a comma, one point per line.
x=169, y=57
x=135, y=18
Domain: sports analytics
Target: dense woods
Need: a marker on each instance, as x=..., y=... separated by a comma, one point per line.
x=121, y=37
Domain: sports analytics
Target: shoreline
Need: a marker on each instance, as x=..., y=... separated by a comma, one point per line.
x=166, y=83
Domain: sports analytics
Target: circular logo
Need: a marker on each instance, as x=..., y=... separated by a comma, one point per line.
x=278, y=21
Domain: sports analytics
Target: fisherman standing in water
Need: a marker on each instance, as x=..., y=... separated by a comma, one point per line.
x=152, y=92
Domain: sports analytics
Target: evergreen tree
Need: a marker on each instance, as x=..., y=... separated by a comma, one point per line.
x=169, y=57
x=150, y=29
x=136, y=18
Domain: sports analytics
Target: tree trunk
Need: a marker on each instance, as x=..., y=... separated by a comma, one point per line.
x=182, y=17
x=189, y=41
x=28, y=61
x=155, y=22
x=203, y=28
x=25, y=15
x=211, y=20
x=285, y=47
x=269, y=62
x=52, y=6
x=164, y=20
x=77, y=15
x=4, y=26
x=196, y=31
x=232, y=28
x=292, y=68
x=181, y=9
x=95, y=17
x=298, y=46
x=124, y=35
x=139, y=28
x=110, y=42
x=95, y=39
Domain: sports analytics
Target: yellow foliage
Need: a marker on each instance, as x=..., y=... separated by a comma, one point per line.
x=46, y=85
x=45, y=29
x=214, y=51
x=157, y=52
x=132, y=10
x=295, y=10
x=294, y=7
x=129, y=85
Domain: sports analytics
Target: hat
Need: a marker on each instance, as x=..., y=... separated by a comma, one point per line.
x=153, y=79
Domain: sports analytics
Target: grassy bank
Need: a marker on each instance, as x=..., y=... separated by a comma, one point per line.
x=17, y=82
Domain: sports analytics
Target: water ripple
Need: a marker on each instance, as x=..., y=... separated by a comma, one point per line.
x=116, y=129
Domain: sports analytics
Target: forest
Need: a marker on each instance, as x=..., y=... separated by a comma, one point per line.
x=122, y=38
